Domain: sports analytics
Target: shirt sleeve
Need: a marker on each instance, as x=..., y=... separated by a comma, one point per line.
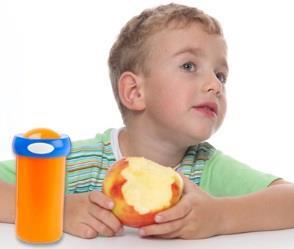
x=7, y=171
x=225, y=176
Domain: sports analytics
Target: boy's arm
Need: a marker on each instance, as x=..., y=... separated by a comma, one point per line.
x=199, y=215
x=7, y=202
x=269, y=209
x=86, y=215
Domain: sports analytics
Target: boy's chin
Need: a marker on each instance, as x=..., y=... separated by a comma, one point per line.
x=200, y=136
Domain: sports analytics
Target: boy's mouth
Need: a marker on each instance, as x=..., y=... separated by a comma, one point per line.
x=207, y=108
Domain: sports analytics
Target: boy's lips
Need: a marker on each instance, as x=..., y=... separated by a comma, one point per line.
x=208, y=108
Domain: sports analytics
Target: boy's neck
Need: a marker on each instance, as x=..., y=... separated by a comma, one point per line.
x=133, y=142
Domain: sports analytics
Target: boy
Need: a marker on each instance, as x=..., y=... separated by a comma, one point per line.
x=168, y=71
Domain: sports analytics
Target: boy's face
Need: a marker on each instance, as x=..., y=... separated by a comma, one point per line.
x=184, y=90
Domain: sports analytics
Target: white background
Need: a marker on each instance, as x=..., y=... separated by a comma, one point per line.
x=53, y=73
x=130, y=239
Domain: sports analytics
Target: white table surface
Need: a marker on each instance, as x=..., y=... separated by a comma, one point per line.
x=282, y=239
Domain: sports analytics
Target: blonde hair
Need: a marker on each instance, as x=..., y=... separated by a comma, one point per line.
x=129, y=52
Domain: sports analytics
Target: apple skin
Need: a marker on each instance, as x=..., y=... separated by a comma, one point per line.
x=112, y=187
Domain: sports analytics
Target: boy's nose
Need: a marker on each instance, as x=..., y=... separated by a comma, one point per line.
x=213, y=85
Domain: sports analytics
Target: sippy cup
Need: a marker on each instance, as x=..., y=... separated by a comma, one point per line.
x=40, y=179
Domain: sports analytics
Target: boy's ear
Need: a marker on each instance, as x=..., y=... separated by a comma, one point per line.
x=131, y=92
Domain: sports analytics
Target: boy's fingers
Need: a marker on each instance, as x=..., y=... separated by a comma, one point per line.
x=106, y=217
x=180, y=210
x=101, y=228
x=160, y=229
x=101, y=199
x=84, y=231
x=171, y=235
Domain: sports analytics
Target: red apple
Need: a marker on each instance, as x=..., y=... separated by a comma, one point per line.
x=140, y=189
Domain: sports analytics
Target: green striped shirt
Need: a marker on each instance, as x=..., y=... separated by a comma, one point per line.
x=215, y=172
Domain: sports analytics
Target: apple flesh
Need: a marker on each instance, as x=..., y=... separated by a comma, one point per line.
x=140, y=189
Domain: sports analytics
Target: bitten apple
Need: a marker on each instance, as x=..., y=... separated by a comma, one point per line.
x=140, y=189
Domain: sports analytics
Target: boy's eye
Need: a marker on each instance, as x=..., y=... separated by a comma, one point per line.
x=221, y=77
x=189, y=66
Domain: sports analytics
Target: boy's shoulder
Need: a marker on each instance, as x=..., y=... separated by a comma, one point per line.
x=98, y=147
x=94, y=143
x=103, y=137
x=88, y=162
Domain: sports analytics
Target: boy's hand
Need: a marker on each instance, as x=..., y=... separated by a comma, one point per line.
x=88, y=215
x=195, y=216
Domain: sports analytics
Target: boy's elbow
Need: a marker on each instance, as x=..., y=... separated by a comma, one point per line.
x=278, y=182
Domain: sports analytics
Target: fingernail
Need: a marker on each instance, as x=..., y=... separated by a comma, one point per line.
x=158, y=218
x=142, y=232
x=110, y=205
x=88, y=233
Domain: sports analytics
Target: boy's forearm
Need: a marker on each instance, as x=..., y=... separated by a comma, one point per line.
x=7, y=202
x=269, y=209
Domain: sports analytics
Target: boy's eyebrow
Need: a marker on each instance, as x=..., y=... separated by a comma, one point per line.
x=224, y=64
x=200, y=52
x=191, y=50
